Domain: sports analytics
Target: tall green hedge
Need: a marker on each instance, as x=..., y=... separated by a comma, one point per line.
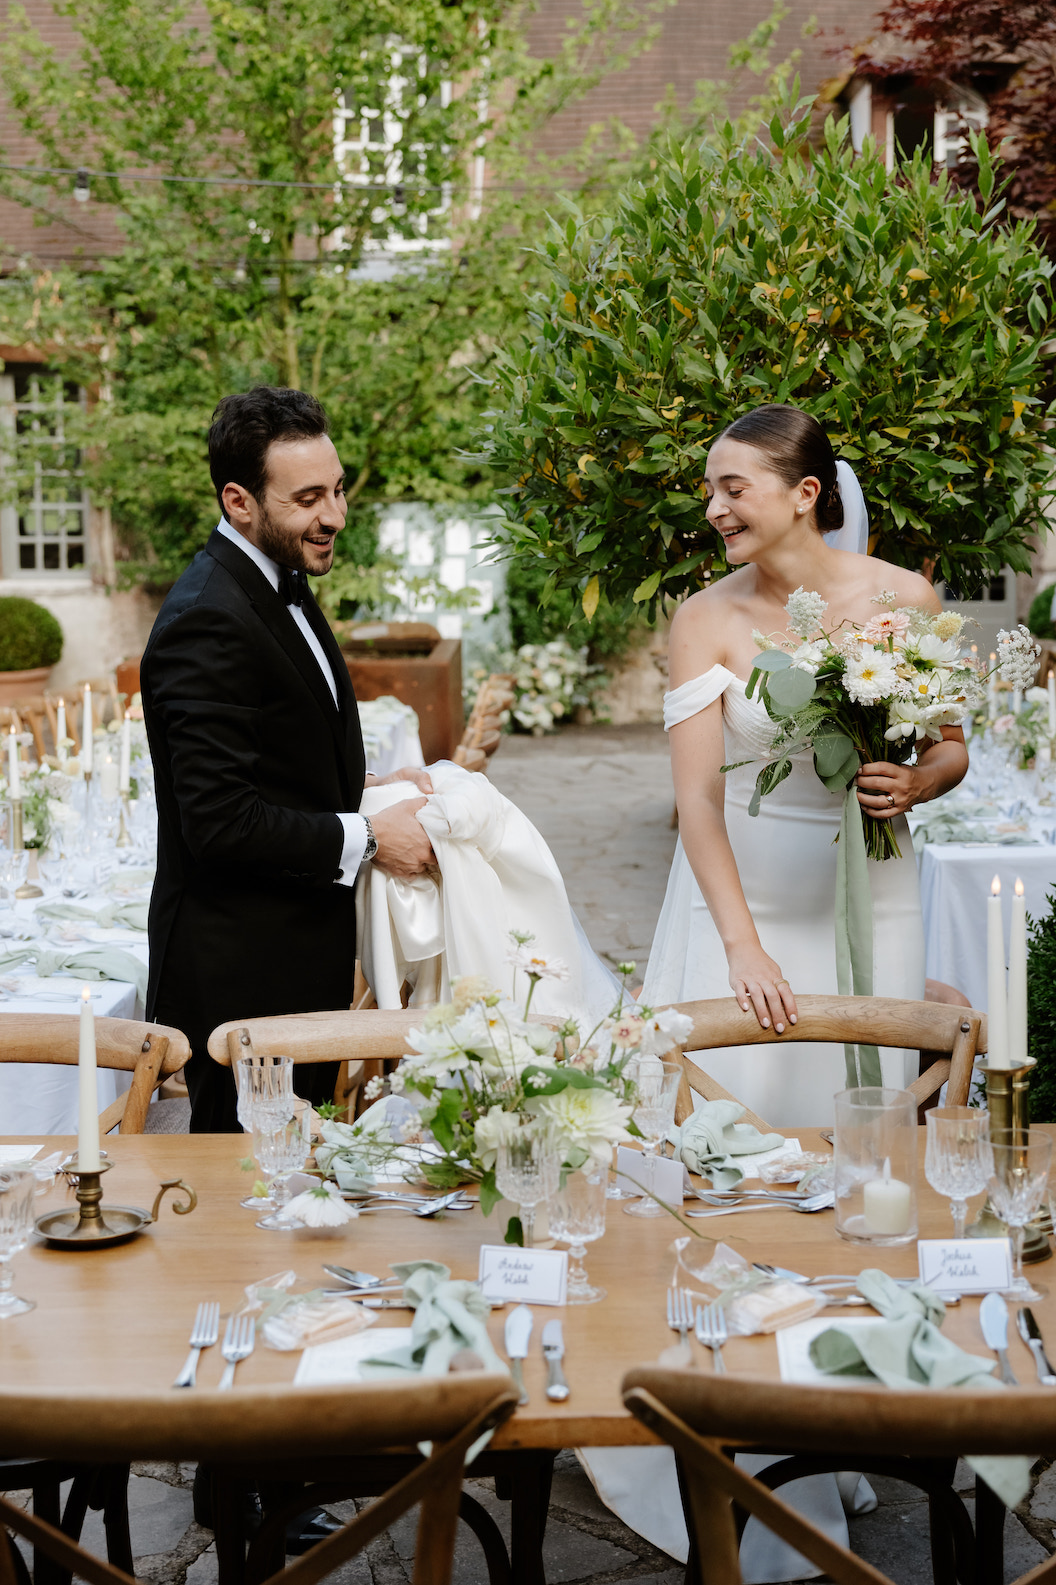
x=1041, y=1013
x=29, y=635
x=743, y=272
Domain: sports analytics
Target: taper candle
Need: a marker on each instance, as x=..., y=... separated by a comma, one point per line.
x=1017, y=700
x=996, y=993
x=1017, y=978
x=1051, y=687
x=60, y=731
x=87, y=731
x=991, y=688
x=88, y=1090
x=125, y=778
x=14, y=774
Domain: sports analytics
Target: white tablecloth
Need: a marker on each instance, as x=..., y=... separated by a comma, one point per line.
x=390, y=735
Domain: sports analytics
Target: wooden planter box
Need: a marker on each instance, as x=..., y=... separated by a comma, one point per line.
x=411, y=661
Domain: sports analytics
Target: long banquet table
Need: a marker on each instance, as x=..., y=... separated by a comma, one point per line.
x=122, y=1316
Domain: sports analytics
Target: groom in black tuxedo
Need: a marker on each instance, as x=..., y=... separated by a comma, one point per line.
x=258, y=757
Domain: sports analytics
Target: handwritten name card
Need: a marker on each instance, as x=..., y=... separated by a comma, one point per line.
x=965, y=1265
x=527, y=1276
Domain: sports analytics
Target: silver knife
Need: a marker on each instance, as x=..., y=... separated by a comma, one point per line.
x=557, y=1388
x=518, y=1330
x=993, y=1318
x=1030, y=1332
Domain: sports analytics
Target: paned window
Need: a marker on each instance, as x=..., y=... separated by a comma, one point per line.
x=44, y=515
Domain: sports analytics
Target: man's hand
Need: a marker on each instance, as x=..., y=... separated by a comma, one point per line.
x=412, y=773
x=404, y=850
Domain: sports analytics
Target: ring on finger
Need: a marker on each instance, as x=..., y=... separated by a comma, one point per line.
x=891, y=798
x=782, y=982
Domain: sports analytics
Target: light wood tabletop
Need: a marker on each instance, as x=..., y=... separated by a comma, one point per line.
x=121, y=1317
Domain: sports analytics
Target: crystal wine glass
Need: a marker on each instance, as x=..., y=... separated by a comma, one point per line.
x=265, y=1099
x=958, y=1160
x=654, y=1112
x=281, y=1148
x=1017, y=1188
x=526, y=1171
x=577, y=1218
x=18, y=1190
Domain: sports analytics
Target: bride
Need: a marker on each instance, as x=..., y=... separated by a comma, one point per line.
x=755, y=897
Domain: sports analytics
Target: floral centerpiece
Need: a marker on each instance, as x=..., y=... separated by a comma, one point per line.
x=46, y=807
x=479, y=1072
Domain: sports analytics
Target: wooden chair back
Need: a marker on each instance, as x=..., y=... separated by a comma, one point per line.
x=700, y=1414
x=483, y=731
x=277, y=1423
x=958, y=1032
x=150, y=1052
x=30, y=715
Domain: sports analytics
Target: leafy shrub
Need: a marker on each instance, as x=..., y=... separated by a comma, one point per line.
x=745, y=272
x=29, y=635
x=609, y=636
x=1041, y=1013
x=1040, y=619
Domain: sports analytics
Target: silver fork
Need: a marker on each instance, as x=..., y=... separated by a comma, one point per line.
x=711, y=1331
x=204, y=1333
x=679, y=1312
x=237, y=1345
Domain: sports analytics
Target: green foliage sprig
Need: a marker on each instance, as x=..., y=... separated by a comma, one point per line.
x=756, y=269
x=1041, y=1012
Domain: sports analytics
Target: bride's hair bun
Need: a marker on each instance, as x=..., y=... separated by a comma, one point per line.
x=795, y=447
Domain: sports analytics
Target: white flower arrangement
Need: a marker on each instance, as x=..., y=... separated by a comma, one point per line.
x=552, y=680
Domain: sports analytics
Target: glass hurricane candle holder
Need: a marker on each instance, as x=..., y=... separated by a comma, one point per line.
x=875, y=1149
x=958, y=1160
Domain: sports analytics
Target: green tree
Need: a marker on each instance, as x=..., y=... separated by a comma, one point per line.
x=244, y=255
x=756, y=269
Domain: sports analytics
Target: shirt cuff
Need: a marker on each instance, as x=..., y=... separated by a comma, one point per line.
x=355, y=828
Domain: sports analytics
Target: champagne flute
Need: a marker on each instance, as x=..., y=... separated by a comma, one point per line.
x=1017, y=1188
x=654, y=1112
x=958, y=1160
x=18, y=1190
x=577, y=1218
x=526, y=1171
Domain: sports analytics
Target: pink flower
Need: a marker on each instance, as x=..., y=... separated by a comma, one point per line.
x=1004, y=722
x=628, y=1030
x=893, y=624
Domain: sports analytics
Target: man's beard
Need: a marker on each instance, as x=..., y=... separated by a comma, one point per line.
x=283, y=545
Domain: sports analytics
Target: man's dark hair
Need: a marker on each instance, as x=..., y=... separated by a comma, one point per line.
x=246, y=424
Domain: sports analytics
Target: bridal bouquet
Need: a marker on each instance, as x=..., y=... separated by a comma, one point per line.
x=479, y=1073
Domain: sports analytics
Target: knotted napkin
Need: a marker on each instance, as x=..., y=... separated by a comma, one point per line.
x=448, y=1316
x=91, y=963
x=906, y=1350
x=133, y=916
x=709, y=1141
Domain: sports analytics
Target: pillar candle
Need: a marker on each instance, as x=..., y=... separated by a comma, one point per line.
x=1017, y=978
x=87, y=729
x=887, y=1203
x=108, y=779
x=60, y=731
x=996, y=994
x=1051, y=686
x=88, y=1090
x=14, y=774
x=125, y=779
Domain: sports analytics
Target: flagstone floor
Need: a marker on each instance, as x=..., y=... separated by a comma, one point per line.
x=602, y=799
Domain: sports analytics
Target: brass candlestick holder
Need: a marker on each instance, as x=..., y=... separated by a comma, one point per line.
x=27, y=888
x=93, y=1226
x=1008, y=1102
x=124, y=839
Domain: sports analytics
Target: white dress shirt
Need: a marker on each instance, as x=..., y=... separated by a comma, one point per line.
x=355, y=826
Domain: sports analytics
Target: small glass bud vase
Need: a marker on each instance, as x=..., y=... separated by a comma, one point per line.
x=876, y=1166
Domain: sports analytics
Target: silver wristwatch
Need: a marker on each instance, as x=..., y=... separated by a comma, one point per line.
x=372, y=842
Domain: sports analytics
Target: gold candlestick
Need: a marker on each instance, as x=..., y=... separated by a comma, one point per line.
x=27, y=888
x=124, y=840
x=1008, y=1102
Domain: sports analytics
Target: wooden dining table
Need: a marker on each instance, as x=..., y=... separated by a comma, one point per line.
x=122, y=1316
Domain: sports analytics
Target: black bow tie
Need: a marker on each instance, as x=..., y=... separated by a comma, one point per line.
x=293, y=586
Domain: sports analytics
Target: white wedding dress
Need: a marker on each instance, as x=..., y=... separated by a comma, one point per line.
x=786, y=859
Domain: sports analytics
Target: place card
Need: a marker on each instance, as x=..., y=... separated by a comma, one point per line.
x=526, y=1276
x=333, y=1364
x=965, y=1265
x=661, y=1175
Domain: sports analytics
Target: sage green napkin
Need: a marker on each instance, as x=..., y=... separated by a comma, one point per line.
x=89, y=963
x=952, y=827
x=711, y=1138
x=132, y=915
x=906, y=1350
x=448, y=1316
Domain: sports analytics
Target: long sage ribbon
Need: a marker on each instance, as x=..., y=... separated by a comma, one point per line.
x=854, y=933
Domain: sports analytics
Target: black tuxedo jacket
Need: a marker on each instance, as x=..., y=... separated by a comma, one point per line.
x=252, y=763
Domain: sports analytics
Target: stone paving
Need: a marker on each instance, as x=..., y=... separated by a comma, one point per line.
x=602, y=799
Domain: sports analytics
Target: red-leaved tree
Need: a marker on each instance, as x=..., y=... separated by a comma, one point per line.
x=1006, y=50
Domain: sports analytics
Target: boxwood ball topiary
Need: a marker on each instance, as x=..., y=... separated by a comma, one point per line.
x=29, y=635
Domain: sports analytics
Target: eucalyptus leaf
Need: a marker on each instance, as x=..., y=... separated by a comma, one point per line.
x=790, y=689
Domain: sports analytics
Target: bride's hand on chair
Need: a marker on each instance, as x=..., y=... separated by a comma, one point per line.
x=886, y=790
x=757, y=982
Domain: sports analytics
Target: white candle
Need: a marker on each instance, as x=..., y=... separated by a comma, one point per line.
x=1017, y=700
x=60, y=731
x=108, y=779
x=996, y=994
x=125, y=779
x=1051, y=686
x=88, y=1090
x=1017, y=978
x=87, y=729
x=14, y=775
x=888, y=1204
x=991, y=688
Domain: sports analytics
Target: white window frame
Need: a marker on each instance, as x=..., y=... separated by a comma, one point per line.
x=37, y=508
